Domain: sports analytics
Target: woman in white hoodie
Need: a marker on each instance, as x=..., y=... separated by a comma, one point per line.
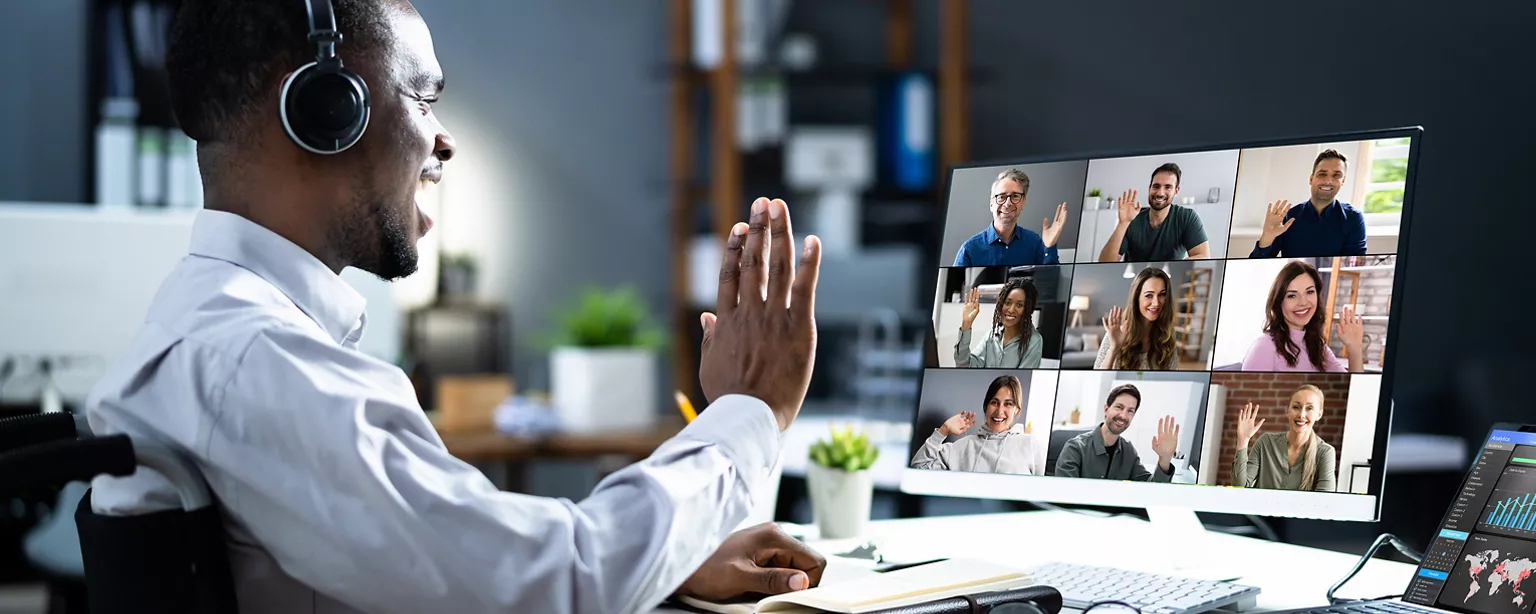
x=1001, y=446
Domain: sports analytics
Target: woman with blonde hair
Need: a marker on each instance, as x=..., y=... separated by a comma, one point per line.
x=1295, y=459
x=1143, y=341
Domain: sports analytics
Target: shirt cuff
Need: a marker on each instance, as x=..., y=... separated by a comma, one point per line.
x=1052, y=256
x=745, y=430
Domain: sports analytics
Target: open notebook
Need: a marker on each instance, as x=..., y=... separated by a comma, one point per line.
x=850, y=589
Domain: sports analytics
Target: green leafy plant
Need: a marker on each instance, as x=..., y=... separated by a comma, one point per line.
x=1095, y=193
x=607, y=318
x=845, y=450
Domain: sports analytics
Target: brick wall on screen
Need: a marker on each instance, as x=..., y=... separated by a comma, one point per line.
x=1272, y=392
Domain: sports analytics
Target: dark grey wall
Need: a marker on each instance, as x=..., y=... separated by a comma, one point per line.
x=42, y=115
x=562, y=103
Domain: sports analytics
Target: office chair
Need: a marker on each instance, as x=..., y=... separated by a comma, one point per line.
x=174, y=561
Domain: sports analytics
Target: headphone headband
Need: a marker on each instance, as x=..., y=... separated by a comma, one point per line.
x=322, y=28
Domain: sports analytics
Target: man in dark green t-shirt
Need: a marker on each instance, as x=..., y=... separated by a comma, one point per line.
x=1162, y=231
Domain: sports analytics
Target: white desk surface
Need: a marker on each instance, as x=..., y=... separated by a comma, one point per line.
x=1289, y=576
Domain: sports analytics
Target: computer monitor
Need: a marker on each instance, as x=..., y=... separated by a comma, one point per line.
x=1254, y=288
x=76, y=282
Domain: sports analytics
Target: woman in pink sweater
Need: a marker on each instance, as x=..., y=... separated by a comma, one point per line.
x=1293, y=328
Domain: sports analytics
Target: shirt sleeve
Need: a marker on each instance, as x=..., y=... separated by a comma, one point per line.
x=963, y=258
x=1245, y=465
x=1070, y=463
x=963, y=355
x=1194, y=230
x=1327, y=469
x=1047, y=255
x=1354, y=238
x=1260, y=355
x=325, y=457
x=1033, y=351
x=1331, y=362
x=933, y=454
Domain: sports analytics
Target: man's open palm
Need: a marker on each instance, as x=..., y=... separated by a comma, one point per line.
x=761, y=340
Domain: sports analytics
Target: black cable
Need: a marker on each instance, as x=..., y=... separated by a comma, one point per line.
x=1111, y=602
x=1384, y=539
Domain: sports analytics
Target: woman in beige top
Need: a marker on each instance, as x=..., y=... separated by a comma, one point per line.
x=1143, y=341
x=1296, y=459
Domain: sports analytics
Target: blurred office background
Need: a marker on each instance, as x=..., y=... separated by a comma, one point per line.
x=607, y=144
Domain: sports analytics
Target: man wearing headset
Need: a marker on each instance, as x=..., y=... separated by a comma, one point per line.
x=337, y=493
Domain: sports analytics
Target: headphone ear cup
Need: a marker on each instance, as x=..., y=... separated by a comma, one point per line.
x=325, y=107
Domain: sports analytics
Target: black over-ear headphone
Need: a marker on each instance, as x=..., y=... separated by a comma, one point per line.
x=324, y=106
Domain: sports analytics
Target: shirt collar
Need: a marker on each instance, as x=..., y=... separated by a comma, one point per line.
x=1098, y=440
x=1332, y=207
x=322, y=295
x=993, y=237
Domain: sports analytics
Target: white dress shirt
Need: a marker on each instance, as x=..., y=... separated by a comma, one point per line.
x=338, y=494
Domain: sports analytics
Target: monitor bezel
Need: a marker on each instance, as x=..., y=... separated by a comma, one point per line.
x=1218, y=499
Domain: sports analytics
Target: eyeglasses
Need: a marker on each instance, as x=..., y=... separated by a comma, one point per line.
x=1011, y=197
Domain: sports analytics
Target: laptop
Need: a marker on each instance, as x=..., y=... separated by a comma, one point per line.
x=1483, y=557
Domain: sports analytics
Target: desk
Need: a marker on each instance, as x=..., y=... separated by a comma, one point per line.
x=1289, y=576
x=510, y=453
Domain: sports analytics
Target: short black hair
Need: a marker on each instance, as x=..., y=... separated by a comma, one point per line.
x=1329, y=154
x=1125, y=389
x=1169, y=167
x=224, y=57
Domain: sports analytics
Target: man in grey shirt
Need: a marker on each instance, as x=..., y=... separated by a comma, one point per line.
x=1102, y=453
x=1163, y=231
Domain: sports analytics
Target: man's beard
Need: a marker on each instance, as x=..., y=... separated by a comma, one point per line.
x=378, y=240
x=1159, y=205
x=1110, y=424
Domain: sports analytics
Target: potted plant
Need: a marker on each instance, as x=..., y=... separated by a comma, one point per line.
x=1091, y=202
x=840, y=484
x=604, y=361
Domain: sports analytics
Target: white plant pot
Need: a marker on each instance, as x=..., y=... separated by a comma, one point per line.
x=603, y=389
x=840, y=500
x=1091, y=203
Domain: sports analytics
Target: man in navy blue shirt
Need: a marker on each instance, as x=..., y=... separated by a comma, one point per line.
x=1004, y=243
x=1321, y=226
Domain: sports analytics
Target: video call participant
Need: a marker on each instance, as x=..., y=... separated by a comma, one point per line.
x=1001, y=446
x=1004, y=243
x=1296, y=459
x=1321, y=226
x=1143, y=341
x=1012, y=341
x=1163, y=231
x=1293, y=328
x=1102, y=453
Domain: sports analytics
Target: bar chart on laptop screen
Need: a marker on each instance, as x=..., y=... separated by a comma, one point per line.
x=1512, y=508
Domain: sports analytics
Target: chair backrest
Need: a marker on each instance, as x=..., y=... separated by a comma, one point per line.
x=1059, y=439
x=175, y=561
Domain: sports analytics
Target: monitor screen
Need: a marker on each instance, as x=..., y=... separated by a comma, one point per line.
x=1205, y=327
x=1483, y=560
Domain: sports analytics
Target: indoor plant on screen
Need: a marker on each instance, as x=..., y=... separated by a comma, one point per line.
x=603, y=363
x=840, y=482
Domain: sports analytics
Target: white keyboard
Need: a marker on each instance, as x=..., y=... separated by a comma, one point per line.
x=1083, y=585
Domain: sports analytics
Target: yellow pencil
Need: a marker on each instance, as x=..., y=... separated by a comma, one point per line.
x=686, y=407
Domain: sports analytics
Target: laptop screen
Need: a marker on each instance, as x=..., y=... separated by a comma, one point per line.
x=1484, y=558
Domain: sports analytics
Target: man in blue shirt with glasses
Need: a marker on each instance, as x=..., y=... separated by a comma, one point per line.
x=1321, y=226
x=1004, y=243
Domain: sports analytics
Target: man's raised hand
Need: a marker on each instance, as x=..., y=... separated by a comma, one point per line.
x=761, y=339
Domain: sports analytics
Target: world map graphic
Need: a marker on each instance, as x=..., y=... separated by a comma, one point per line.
x=1490, y=571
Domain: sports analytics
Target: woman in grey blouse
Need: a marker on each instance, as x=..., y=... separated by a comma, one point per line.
x=1296, y=459
x=1013, y=341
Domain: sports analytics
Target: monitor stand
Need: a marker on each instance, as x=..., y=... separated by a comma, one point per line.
x=1177, y=543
